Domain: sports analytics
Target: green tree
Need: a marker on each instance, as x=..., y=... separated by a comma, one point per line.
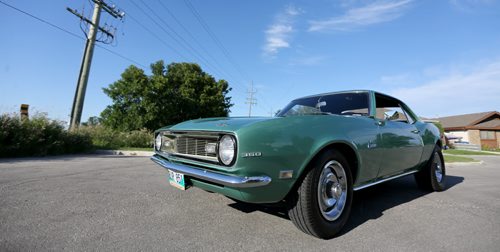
x=171, y=94
x=92, y=121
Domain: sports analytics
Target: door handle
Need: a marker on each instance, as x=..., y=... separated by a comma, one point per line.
x=415, y=131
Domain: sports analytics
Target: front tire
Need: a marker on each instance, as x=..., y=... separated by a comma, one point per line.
x=433, y=176
x=322, y=203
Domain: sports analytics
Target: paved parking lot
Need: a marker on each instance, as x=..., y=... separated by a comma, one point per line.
x=125, y=203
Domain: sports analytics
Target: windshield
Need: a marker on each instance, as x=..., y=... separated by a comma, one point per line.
x=354, y=104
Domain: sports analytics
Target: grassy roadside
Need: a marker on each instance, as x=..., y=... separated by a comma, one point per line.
x=135, y=149
x=466, y=152
x=454, y=159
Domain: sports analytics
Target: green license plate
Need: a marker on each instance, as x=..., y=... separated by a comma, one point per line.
x=177, y=179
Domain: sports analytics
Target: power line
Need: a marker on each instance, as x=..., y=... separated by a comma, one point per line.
x=214, y=38
x=177, y=37
x=185, y=44
x=157, y=37
x=69, y=32
x=41, y=20
x=86, y=20
x=121, y=56
x=193, y=38
x=154, y=34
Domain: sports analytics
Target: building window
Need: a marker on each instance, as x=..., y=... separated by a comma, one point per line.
x=487, y=135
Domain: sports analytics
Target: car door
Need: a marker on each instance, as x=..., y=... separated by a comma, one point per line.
x=402, y=144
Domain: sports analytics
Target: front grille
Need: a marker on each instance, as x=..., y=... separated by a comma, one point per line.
x=190, y=144
x=194, y=146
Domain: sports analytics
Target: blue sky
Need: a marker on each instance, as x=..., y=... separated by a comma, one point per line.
x=440, y=56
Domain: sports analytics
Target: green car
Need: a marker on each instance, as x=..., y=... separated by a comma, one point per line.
x=311, y=156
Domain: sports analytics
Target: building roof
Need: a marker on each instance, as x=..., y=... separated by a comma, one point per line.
x=489, y=124
x=490, y=119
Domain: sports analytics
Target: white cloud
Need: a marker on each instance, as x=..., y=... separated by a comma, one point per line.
x=374, y=13
x=458, y=92
x=279, y=33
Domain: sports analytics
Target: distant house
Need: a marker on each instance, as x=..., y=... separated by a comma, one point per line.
x=479, y=128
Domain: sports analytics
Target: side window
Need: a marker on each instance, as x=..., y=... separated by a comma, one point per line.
x=351, y=104
x=391, y=110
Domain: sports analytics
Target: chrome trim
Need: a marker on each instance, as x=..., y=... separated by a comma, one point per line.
x=211, y=176
x=212, y=159
x=383, y=180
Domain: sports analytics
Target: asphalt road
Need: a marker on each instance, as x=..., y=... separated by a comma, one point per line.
x=125, y=203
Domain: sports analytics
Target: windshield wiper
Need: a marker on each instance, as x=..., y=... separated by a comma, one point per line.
x=319, y=113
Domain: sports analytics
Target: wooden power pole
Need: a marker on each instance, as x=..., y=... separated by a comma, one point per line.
x=83, y=77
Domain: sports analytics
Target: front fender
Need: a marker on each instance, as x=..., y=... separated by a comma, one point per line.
x=291, y=143
x=430, y=136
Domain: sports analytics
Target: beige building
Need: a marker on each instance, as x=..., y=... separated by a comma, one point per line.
x=479, y=128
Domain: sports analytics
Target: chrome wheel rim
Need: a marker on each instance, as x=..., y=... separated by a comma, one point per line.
x=332, y=190
x=438, y=167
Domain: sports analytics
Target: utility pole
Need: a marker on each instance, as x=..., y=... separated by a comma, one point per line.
x=250, y=100
x=83, y=77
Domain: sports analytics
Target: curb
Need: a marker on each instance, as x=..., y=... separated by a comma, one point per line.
x=125, y=153
x=464, y=163
x=489, y=152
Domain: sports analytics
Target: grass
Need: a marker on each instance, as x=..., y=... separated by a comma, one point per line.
x=135, y=149
x=453, y=159
x=494, y=150
x=466, y=152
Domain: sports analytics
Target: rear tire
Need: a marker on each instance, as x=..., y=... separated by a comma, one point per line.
x=321, y=205
x=433, y=176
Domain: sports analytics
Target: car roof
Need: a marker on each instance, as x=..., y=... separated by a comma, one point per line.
x=336, y=92
x=350, y=91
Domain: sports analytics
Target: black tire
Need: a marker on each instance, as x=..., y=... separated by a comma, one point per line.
x=428, y=178
x=304, y=204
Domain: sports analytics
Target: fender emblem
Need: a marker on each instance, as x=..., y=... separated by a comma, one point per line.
x=252, y=154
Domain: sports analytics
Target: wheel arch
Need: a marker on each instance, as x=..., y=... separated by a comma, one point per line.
x=347, y=149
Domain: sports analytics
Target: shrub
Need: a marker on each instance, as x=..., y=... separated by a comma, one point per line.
x=139, y=138
x=106, y=138
x=38, y=136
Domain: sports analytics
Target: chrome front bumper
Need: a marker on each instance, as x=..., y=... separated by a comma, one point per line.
x=211, y=176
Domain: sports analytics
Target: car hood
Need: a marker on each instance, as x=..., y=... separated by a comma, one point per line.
x=227, y=124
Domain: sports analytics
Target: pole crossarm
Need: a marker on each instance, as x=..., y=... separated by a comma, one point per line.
x=111, y=10
x=75, y=12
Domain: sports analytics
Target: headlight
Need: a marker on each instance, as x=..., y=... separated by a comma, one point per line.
x=158, y=142
x=227, y=149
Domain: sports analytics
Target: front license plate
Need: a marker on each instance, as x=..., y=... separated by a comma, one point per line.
x=177, y=179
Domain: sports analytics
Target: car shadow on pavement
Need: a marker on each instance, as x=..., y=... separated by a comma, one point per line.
x=278, y=210
x=368, y=204
x=372, y=202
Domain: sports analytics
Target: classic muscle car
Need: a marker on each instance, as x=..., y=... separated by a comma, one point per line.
x=311, y=156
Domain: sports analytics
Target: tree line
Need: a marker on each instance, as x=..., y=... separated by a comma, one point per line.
x=171, y=94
